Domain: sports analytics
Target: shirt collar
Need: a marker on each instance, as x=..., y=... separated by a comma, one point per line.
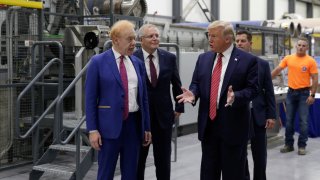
x=146, y=54
x=227, y=52
x=117, y=54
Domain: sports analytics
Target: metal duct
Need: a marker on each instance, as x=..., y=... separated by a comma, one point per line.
x=289, y=26
x=137, y=8
x=297, y=30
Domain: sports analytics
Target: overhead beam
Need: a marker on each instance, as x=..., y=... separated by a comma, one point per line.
x=23, y=3
x=215, y=9
x=245, y=9
x=292, y=6
x=176, y=11
x=309, y=10
x=270, y=9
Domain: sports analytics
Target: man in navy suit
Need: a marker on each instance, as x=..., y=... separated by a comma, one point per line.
x=263, y=111
x=225, y=80
x=162, y=72
x=117, y=105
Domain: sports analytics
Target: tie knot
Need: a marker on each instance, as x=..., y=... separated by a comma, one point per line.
x=150, y=56
x=220, y=55
x=121, y=57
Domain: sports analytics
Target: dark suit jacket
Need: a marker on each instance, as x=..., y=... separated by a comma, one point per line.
x=242, y=74
x=160, y=100
x=105, y=95
x=264, y=104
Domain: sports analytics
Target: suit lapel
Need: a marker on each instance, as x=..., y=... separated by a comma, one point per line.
x=233, y=61
x=209, y=68
x=141, y=57
x=113, y=65
x=161, y=63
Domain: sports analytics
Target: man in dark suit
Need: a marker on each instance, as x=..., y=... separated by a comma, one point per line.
x=263, y=111
x=117, y=105
x=162, y=72
x=225, y=80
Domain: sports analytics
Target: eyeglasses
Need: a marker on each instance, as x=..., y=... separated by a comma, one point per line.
x=151, y=36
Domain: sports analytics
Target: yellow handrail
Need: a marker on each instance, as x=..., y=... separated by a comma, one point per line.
x=23, y=3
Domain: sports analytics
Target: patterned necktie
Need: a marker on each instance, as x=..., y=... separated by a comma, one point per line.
x=124, y=79
x=215, y=81
x=153, y=71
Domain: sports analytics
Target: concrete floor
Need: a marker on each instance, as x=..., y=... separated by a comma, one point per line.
x=288, y=166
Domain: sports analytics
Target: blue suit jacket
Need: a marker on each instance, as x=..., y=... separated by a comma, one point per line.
x=160, y=101
x=105, y=96
x=242, y=74
x=264, y=105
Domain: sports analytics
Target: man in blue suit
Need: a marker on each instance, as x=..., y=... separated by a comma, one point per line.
x=162, y=72
x=225, y=80
x=263, y=110
x=117, y=105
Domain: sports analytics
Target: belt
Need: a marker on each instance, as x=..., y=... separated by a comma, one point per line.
x=299, y=89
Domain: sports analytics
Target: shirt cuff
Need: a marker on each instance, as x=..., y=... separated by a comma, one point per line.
x=93, y=131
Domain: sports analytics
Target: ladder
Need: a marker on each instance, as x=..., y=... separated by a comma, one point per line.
x=203, y=6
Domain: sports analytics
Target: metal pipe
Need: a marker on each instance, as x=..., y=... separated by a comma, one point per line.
x=23, y=3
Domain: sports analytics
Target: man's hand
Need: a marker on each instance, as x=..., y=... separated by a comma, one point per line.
x=230, y=97
x=310, y=100
x=147, y=138
x=95, y=140
x=270, y=123
x=186, y=97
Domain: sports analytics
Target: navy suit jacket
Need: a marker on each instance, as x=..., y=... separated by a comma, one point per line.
x=264, y=104
x=242, y=74
x=105, y=96
x=160, y=100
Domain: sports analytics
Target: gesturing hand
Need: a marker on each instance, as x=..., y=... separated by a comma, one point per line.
x=186, y=97
x=230, y=97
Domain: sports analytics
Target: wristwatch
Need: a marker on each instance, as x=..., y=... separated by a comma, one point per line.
x=312, y=95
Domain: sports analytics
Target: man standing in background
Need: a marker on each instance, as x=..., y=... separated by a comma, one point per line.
x=162, y=73
x=301, y=68
x=263, y=110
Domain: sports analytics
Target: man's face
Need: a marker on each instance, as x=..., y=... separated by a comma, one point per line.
x=125, y=43
x=243, y=43
x=150, y=39
x=217, y=41
x=302, y=47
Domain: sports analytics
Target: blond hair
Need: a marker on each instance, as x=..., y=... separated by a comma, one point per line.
x=227, y=28
x=119, y=26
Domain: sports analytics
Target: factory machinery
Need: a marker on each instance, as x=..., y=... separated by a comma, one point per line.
x=45, y=49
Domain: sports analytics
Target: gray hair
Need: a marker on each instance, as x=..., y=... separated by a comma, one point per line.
x=145, y=26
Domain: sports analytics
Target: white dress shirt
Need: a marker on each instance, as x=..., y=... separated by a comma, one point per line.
x=155, y=60
x=132, y=80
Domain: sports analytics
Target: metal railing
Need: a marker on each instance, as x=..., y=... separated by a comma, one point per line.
x=34, y=128
x=59, y=121
x=26, y=89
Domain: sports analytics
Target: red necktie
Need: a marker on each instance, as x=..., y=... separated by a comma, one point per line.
x=153, y=71
x=215, y=81
x=124, y=79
